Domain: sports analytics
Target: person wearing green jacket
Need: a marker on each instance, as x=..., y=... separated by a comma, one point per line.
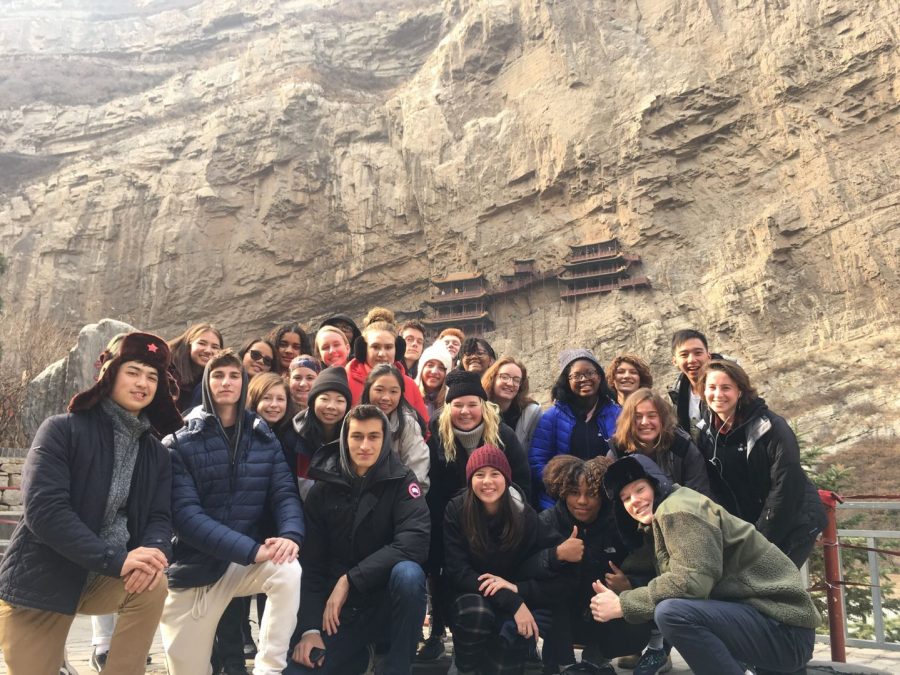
x=724, y=596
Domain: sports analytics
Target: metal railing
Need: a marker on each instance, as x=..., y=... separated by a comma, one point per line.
x=834, y=578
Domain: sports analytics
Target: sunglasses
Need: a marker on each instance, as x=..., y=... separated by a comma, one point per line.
x=259, y=356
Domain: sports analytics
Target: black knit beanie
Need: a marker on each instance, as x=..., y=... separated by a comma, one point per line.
x=463, y=383
x=330, y=379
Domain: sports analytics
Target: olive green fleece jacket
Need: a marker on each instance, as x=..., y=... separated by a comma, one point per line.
x=703, y=552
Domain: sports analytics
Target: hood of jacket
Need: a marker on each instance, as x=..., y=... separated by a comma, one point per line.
x=333, y=464
x=209, y=408
x=627, y=470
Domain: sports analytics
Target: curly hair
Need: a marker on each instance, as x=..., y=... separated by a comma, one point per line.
x=642, y=367
x=563, y=474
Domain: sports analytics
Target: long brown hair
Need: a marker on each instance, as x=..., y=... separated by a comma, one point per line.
x=625, y=438
x=738, y=375
x=187, y=373
x=475, y=523
x=490, y=377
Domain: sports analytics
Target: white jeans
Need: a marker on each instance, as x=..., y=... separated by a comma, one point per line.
x=190, y=617
x=102, y=626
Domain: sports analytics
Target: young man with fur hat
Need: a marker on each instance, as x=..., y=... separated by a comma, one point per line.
x=228, y=468
x=96, y=532
x=724, y=596
x=367, y=538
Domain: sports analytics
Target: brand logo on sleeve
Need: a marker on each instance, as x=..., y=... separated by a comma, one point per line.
x=414, y=490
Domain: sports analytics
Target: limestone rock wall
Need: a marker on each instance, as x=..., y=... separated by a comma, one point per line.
x=178, y=160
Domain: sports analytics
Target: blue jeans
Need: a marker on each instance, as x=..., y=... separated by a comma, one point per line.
x=713, y=636
x=395, y=617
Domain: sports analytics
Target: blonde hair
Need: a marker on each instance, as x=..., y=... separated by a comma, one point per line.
x=336, y=331
x=490, y=418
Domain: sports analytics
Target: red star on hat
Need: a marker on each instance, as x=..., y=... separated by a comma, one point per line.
x=152, y=348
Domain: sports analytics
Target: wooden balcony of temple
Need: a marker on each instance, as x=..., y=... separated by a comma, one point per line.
x=593, y=289
x=634, y=282
x=455, y=295
x=593, y=251
x=524, y=266
x=456, y=319
x=602, y=271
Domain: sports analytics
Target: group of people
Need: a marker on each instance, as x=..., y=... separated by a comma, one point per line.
x=401, y=475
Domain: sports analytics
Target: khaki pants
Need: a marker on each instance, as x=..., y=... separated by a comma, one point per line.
x=189, y=620
x=34, y=640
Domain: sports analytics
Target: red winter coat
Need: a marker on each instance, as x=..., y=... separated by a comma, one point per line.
x=358, y=371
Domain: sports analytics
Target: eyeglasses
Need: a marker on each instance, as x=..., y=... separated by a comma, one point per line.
x=259, y=356
x=477, y=352
x=584, y=375
x=509, y=379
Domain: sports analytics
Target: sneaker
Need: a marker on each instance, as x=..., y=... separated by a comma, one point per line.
x=98, y=660
x=432, y=649
x=588, y=668
x=653, y=661
x=628, y=662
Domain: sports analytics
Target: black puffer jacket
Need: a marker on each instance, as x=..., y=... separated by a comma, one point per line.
x=602, y=545
x=65, y=485
x=448, y=478
x=786, y=504
x=682, y=462
x=462, y=566
x=360, y=527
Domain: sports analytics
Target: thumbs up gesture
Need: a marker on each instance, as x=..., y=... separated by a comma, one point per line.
x=605, y=606
x=572, y=549
x=616, y=579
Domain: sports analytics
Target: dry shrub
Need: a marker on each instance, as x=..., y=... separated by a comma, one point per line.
x=24, y=356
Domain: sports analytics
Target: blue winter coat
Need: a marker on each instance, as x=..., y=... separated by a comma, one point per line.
x=552, y=437
x=217, y=505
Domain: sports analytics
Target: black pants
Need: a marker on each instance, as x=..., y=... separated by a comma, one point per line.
x=574, y=625
x=228, y=649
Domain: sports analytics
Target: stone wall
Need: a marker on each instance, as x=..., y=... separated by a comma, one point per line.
x=11, y=476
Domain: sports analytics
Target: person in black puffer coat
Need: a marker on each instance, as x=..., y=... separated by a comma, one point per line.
x=467, y=421
x=490, y=533
x=580, y=542
x=367, y=538
x=754, y=462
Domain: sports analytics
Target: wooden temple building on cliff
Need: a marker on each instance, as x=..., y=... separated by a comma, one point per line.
x=460, y=300
x=463, y=299
x=598, y=267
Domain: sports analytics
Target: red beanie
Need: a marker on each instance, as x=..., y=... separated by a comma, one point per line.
x=488, y=455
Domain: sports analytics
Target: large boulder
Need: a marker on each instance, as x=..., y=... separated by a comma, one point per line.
x=49, y=393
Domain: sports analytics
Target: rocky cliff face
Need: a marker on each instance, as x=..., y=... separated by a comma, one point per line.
x=168, y=161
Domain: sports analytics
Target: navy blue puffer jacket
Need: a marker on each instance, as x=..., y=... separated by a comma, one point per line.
x=217, y=505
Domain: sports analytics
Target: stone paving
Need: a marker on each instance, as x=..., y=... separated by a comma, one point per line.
x=859, y=660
